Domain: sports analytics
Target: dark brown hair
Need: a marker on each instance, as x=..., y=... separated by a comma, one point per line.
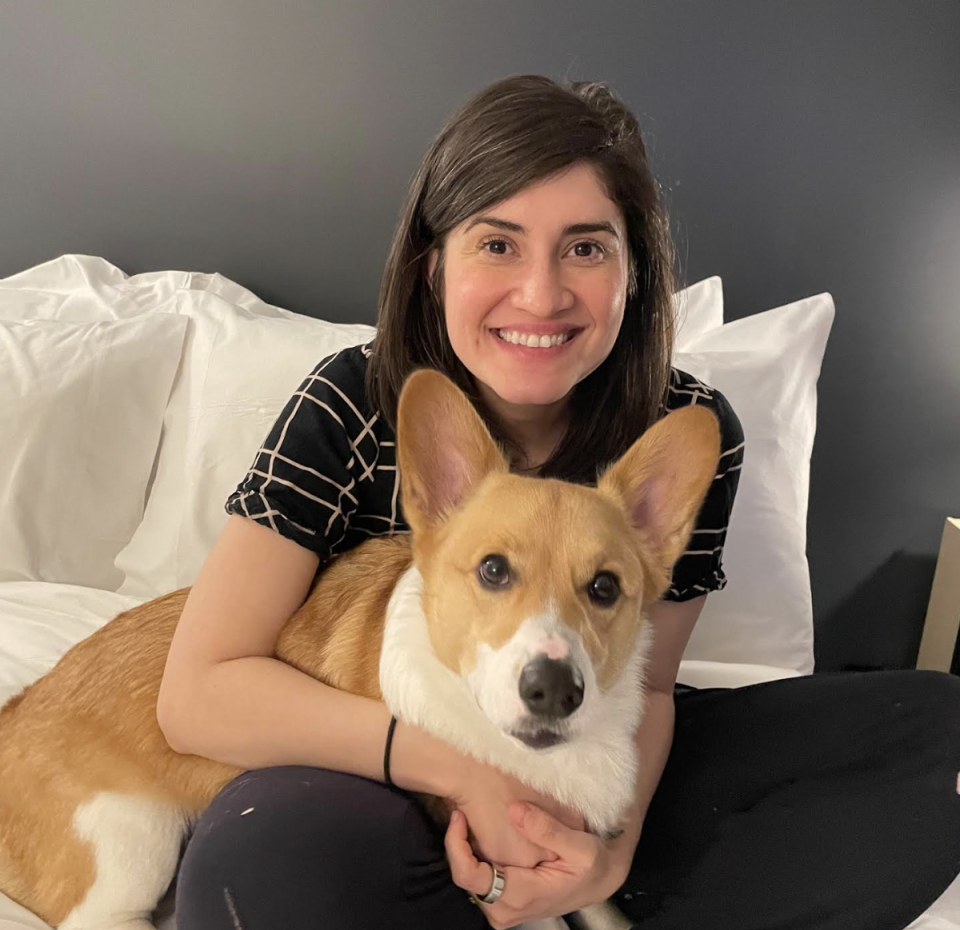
x=517, y=131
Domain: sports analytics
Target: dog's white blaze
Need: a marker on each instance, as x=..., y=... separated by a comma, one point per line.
x=495, y=679
x=136, y=845
x=594, y=773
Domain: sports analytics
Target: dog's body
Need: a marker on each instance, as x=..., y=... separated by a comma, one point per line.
x=95, y=805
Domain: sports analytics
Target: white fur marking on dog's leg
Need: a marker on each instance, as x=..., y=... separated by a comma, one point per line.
x=958, y=783
x=136, y=845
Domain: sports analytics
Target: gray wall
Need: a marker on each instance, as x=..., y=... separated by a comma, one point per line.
x=804, y=147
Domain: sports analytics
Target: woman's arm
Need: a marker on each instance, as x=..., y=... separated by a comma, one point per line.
x=225, y=697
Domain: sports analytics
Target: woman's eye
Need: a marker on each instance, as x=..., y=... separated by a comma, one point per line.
x=591, y=245
x=588, y=243
x=493, y=571
x=604, y=589
x=493, y=242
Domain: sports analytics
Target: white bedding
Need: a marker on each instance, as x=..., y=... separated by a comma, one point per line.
x=40, y=621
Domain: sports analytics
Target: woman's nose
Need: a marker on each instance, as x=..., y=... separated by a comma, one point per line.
x=541, y=289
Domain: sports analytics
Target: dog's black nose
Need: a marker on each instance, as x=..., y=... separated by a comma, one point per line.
x=550, y=688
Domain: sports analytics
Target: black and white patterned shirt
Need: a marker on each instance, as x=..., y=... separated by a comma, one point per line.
x=327, y=477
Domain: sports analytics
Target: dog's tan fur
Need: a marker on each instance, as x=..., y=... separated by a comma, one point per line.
x=90, y=724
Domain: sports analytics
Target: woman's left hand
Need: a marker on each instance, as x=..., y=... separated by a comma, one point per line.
x=587, y=870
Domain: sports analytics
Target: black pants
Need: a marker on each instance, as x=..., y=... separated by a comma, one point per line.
x=827, y=802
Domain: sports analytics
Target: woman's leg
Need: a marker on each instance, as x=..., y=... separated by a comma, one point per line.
x=827, y=802
x=303, y=848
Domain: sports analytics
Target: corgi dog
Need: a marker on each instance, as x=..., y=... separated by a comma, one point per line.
x=509, y=622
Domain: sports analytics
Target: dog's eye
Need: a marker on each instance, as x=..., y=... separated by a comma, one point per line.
x=604, y=589
x=494, y=571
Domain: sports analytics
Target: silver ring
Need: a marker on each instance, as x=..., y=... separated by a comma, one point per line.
x=496, y=889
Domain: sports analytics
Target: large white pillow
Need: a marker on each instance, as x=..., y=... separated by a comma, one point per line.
x=239, y=369
x=81, y=406
x=767, y=366
x=698, y=309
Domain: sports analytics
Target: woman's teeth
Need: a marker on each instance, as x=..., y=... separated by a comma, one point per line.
x=531, y=340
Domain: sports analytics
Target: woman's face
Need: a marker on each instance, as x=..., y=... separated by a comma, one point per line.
x=517, y=271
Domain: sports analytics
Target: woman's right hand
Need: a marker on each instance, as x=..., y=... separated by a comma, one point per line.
x=484, y=794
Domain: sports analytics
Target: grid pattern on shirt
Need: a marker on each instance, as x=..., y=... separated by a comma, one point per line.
x=326, y=476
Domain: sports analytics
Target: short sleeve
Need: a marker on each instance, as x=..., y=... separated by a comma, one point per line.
x=700, y=569
x=303, y=479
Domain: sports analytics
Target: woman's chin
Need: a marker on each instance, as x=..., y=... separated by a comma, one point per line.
x=532, y=398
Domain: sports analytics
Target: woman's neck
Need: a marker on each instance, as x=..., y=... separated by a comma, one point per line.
x=536, y=428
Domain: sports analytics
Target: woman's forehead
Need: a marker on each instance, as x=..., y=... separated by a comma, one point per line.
x=580, y=181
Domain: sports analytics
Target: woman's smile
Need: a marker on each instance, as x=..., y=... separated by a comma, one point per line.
x=522, y=344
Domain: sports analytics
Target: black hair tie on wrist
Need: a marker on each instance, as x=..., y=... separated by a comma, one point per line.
x=386, y=751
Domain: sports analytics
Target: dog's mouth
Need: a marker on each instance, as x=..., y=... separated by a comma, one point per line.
x=540, y=738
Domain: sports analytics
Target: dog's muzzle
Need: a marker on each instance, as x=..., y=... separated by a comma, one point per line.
x=551, y=687
x=551, y=690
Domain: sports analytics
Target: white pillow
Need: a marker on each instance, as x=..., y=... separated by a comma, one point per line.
x=239, y=369
x=698, y=309
x=81, y=406
x=767, y=366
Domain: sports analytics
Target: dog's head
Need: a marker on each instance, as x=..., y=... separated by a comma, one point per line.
x=534, y=589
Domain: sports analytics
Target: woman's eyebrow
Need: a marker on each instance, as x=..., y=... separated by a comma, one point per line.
x=516, y=227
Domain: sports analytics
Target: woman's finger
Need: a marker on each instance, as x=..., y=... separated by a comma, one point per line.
x=574, y=846
x=467, y=871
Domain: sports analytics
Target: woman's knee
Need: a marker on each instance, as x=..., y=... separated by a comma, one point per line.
x=288, y=843
x=290, y=824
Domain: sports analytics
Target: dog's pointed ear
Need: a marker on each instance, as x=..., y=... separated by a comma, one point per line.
x=664, y=477
x=444, y=448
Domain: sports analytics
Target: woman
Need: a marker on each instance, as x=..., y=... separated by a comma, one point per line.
x=815, y=802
